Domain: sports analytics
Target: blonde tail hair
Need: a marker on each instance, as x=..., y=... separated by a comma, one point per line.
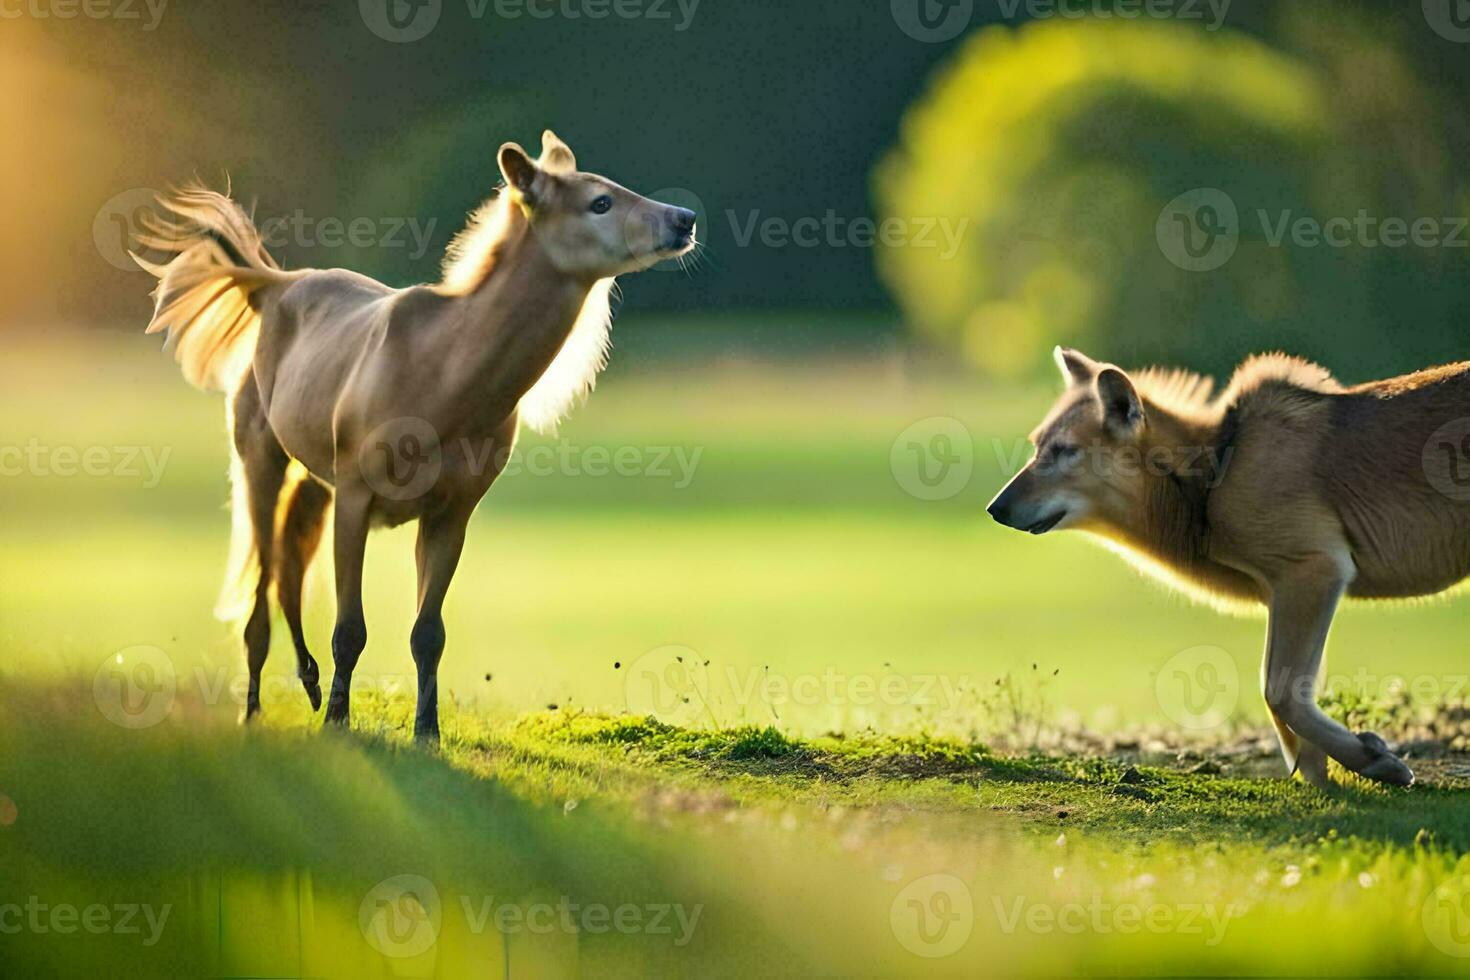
x=203, y=301
x=203, y=293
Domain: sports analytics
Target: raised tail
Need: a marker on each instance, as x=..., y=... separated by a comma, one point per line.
x=203, y=297
x=204, y=301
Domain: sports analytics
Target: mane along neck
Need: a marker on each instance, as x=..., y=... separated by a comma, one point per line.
x=494, y=229
x=473, y=253
x=572, y=374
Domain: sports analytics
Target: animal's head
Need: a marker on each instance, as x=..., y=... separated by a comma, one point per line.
x=1083, y=471
x=590, y=226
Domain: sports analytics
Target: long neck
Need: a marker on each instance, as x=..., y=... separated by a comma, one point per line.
x=1170, y=525
x=513, y=323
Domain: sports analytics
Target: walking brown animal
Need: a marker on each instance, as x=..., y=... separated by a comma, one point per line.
x=394, y=404
x=1287, y=491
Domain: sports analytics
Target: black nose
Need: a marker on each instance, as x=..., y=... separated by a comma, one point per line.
x=684, y=221
x=1000, y=508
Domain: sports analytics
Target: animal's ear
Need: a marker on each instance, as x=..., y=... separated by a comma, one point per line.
x=1122, y=410
x=556, y=156
x=1076, y=367
x=519, y=170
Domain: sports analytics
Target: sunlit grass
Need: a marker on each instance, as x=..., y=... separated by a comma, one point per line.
x=805, y=812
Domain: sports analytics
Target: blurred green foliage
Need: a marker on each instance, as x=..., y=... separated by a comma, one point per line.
x=1063, y=145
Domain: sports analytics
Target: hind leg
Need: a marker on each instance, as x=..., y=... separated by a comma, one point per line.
x=1302, y=608
x=349, y=533
x=301, y=533
x=264, y=463
x=1302, y=756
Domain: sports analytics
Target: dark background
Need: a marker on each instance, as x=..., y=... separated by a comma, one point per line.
x=774, y=106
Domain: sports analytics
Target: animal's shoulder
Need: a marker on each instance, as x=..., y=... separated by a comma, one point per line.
x=1279, y=386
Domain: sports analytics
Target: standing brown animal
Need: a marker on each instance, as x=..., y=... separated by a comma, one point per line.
x=1287, y=490
x=397, y=404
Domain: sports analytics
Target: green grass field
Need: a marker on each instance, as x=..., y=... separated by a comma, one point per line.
x=758, y=577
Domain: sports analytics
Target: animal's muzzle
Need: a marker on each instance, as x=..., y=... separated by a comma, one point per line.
x=681, y=227
x=1002, y=511
x=1010, y=509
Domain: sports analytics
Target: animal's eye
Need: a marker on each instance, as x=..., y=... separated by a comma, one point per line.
x=602, y=205
x=1063, y=452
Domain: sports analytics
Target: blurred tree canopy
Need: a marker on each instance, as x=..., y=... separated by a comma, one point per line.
x=1066, y=146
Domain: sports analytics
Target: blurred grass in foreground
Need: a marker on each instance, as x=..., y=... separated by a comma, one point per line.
x=883, y=856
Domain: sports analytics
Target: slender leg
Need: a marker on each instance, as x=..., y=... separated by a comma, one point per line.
x=1302, y=607
x=440, y=543
x=1300, y=756
x=264, y=463
x=301, y=533
x=350, y=529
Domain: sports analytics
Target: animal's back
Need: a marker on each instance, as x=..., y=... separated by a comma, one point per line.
x=1380, y=471
x=1396, y=465
x=314, y=332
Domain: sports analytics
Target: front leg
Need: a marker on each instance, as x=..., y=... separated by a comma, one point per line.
x=1302, y=605
x=440, y=543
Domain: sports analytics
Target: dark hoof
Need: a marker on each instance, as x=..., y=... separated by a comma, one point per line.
x=337, y=713
x=310, y=679
x=428, y=737
x=251, y=712
x=1386, y=767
